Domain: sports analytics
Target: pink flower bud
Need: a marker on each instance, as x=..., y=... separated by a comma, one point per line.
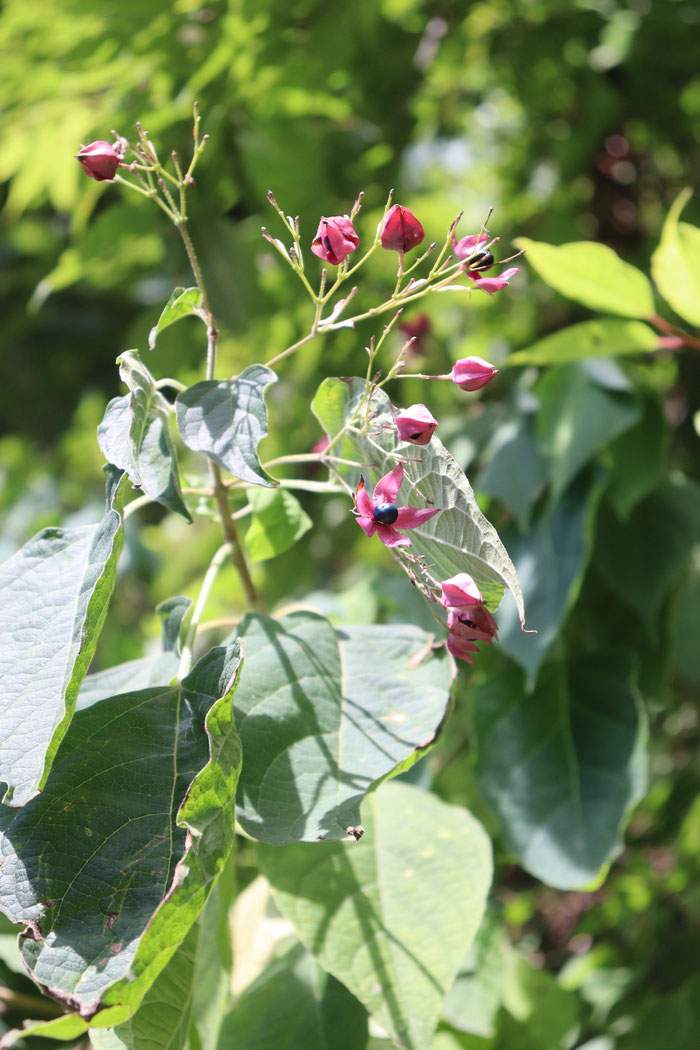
x=415, y=424
x=460, y=591
x=99, y=160
x=671, y=342
x=401, y=230
x=471, y=373
x=335, y=239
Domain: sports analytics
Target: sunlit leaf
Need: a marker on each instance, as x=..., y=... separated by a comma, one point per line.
x=392, y=915
x=279, y=520
x=55, y=595
x=323, y=714
x=226, y=420
x=675, y=265
x=592, y=274
x=606, y=337
x=183, y=302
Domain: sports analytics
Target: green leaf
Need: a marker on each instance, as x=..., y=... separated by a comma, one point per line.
x=539, y=1014
x=562, y=766
x=515, y=472
x=606, y=337
x=577, y=417
x=183, y=302
x=592, y=274
x=226, y=419
x=56, y=590
x=639, y=458
x=551, y=561
x=163, y=1018
x=675, y=265
x=459, y=539
x=658, y=1015
x=378, y=915
x=279, y=520
x=296, y=1005
x=109, y=867
x=323, y=714
x=641, y=559
x=135, y=436
x=474, y=999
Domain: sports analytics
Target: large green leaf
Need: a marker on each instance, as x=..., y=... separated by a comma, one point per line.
x=391, y=916
x=658, y=1015
x=164, y=1016
x=279, y=520
x=577, y=417
x=607, y=337
x=459, y=539
x=295, y=1005
x=323, y=714
x=135, y=436
x=515, y=471
x=183, y=302
x=675, y=265
x=641, y=559
x=563, y=765
x=226, y=419
x=551, y=560
x=55, y=592
x=109, y=867
x=592, y=274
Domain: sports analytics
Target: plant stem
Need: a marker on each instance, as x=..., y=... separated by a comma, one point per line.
x=207, y=583
x=231, y=533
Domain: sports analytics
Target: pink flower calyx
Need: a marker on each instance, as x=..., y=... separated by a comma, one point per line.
x=471, y=373
x=99, y=160
x=415, y=424
x=401, y=230
x=379, y=513
x=335, y=239
x=460, y=591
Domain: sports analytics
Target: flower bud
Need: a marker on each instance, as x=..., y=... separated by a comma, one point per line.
x=401, y=230
x=416, y=424
x=471, y=373
x=460, y=591
x=99, y=160
x=335, y=239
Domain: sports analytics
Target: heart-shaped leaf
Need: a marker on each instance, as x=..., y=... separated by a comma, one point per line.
x=135, y=436
x=322, y=715
x=109, y=867
x=376, y=913
x=226, y=420
x=55, y=595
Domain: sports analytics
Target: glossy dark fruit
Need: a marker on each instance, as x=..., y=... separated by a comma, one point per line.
x=385, y=513
x=482, y=260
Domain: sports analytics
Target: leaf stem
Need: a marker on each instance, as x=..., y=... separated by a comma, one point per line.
x=207, y=583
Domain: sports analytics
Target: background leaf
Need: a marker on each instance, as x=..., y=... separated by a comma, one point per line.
x=296, y=1005
x=675, y=265
x=226, y=420
x=135, y=436
x=592, y=274
x=606, y=337
x=55, y=595
x=323, y=714
x=183, y=302
x=562, y=766
x=137, y=816
x=375, y=913
x=279, y=520
x=459, y=539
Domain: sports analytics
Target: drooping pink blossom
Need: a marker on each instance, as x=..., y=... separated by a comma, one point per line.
x=401, y=230
x=471, y=373
x=99, y=160
x=379, y=513
x=460, y=592
x=468, y=248
x=415, y=424
x=335, y=239
x=472, y=624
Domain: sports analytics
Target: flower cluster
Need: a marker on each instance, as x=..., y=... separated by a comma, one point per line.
x=468, y=619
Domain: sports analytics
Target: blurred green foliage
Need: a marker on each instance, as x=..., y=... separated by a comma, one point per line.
x=576, y=119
